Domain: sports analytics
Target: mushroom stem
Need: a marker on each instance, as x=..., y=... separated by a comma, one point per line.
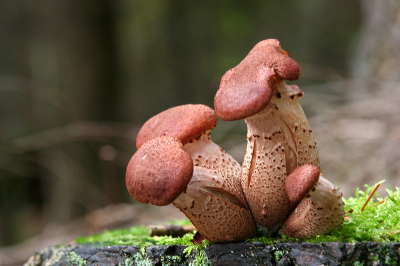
x=294, y=124
x=207, y=154
x=279, y=140
x=214, y=201
x=264, y=170
x=213, y=205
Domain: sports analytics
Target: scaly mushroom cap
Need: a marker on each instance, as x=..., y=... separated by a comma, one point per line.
x=185, y=122
x=159, y=171
x=299, y=183
x=317, y=214
x=246, y=89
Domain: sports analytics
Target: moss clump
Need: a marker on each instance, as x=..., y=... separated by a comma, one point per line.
x=379, y=221
x=137, y=236
x=278, y=254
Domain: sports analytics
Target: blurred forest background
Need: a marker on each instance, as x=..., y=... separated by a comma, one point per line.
x=79, y=78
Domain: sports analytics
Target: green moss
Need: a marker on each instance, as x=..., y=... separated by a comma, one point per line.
x=137, y=236
x=278, y=255
x=379, y=221
x=201, y=258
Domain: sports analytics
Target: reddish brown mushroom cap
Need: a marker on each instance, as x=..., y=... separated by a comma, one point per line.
x=159, y=171
x=246, y=89
x=300, y=182
x=184, y=122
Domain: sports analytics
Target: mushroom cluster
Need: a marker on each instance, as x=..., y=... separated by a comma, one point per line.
x=176, y=162
x=278, y=185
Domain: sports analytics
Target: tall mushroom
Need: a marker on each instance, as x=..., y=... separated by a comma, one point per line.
x=279, y=138
x=212, y=197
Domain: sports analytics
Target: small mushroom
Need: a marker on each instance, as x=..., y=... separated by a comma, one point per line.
x=317, y=214
x=159, y=171
x=213, y=199
x=300, y=182
x=279, y=138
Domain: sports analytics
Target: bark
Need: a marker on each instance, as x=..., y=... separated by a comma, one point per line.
x=256, y=253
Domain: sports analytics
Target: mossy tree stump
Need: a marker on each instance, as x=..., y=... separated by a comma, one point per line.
x=252, y=253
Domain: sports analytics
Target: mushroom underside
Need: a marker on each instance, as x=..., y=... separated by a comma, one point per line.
x=215, y=212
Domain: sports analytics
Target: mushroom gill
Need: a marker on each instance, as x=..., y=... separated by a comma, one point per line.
x=215, y=210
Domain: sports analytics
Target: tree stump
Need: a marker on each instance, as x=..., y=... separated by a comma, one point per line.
x=243, y=253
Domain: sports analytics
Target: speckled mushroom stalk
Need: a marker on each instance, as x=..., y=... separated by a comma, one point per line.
x=212, y=198
x=279, y=138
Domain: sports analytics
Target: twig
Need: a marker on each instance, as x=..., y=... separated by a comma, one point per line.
x=170, y=230
x=370, y=196
x=376, y=204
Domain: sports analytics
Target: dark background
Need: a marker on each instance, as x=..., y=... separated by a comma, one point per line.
x=79, y=78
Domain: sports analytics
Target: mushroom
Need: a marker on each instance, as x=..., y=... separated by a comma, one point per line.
x=301, y=182
x=318, y=213
x=279, y=138
x=211, y=197
x=159, y=171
